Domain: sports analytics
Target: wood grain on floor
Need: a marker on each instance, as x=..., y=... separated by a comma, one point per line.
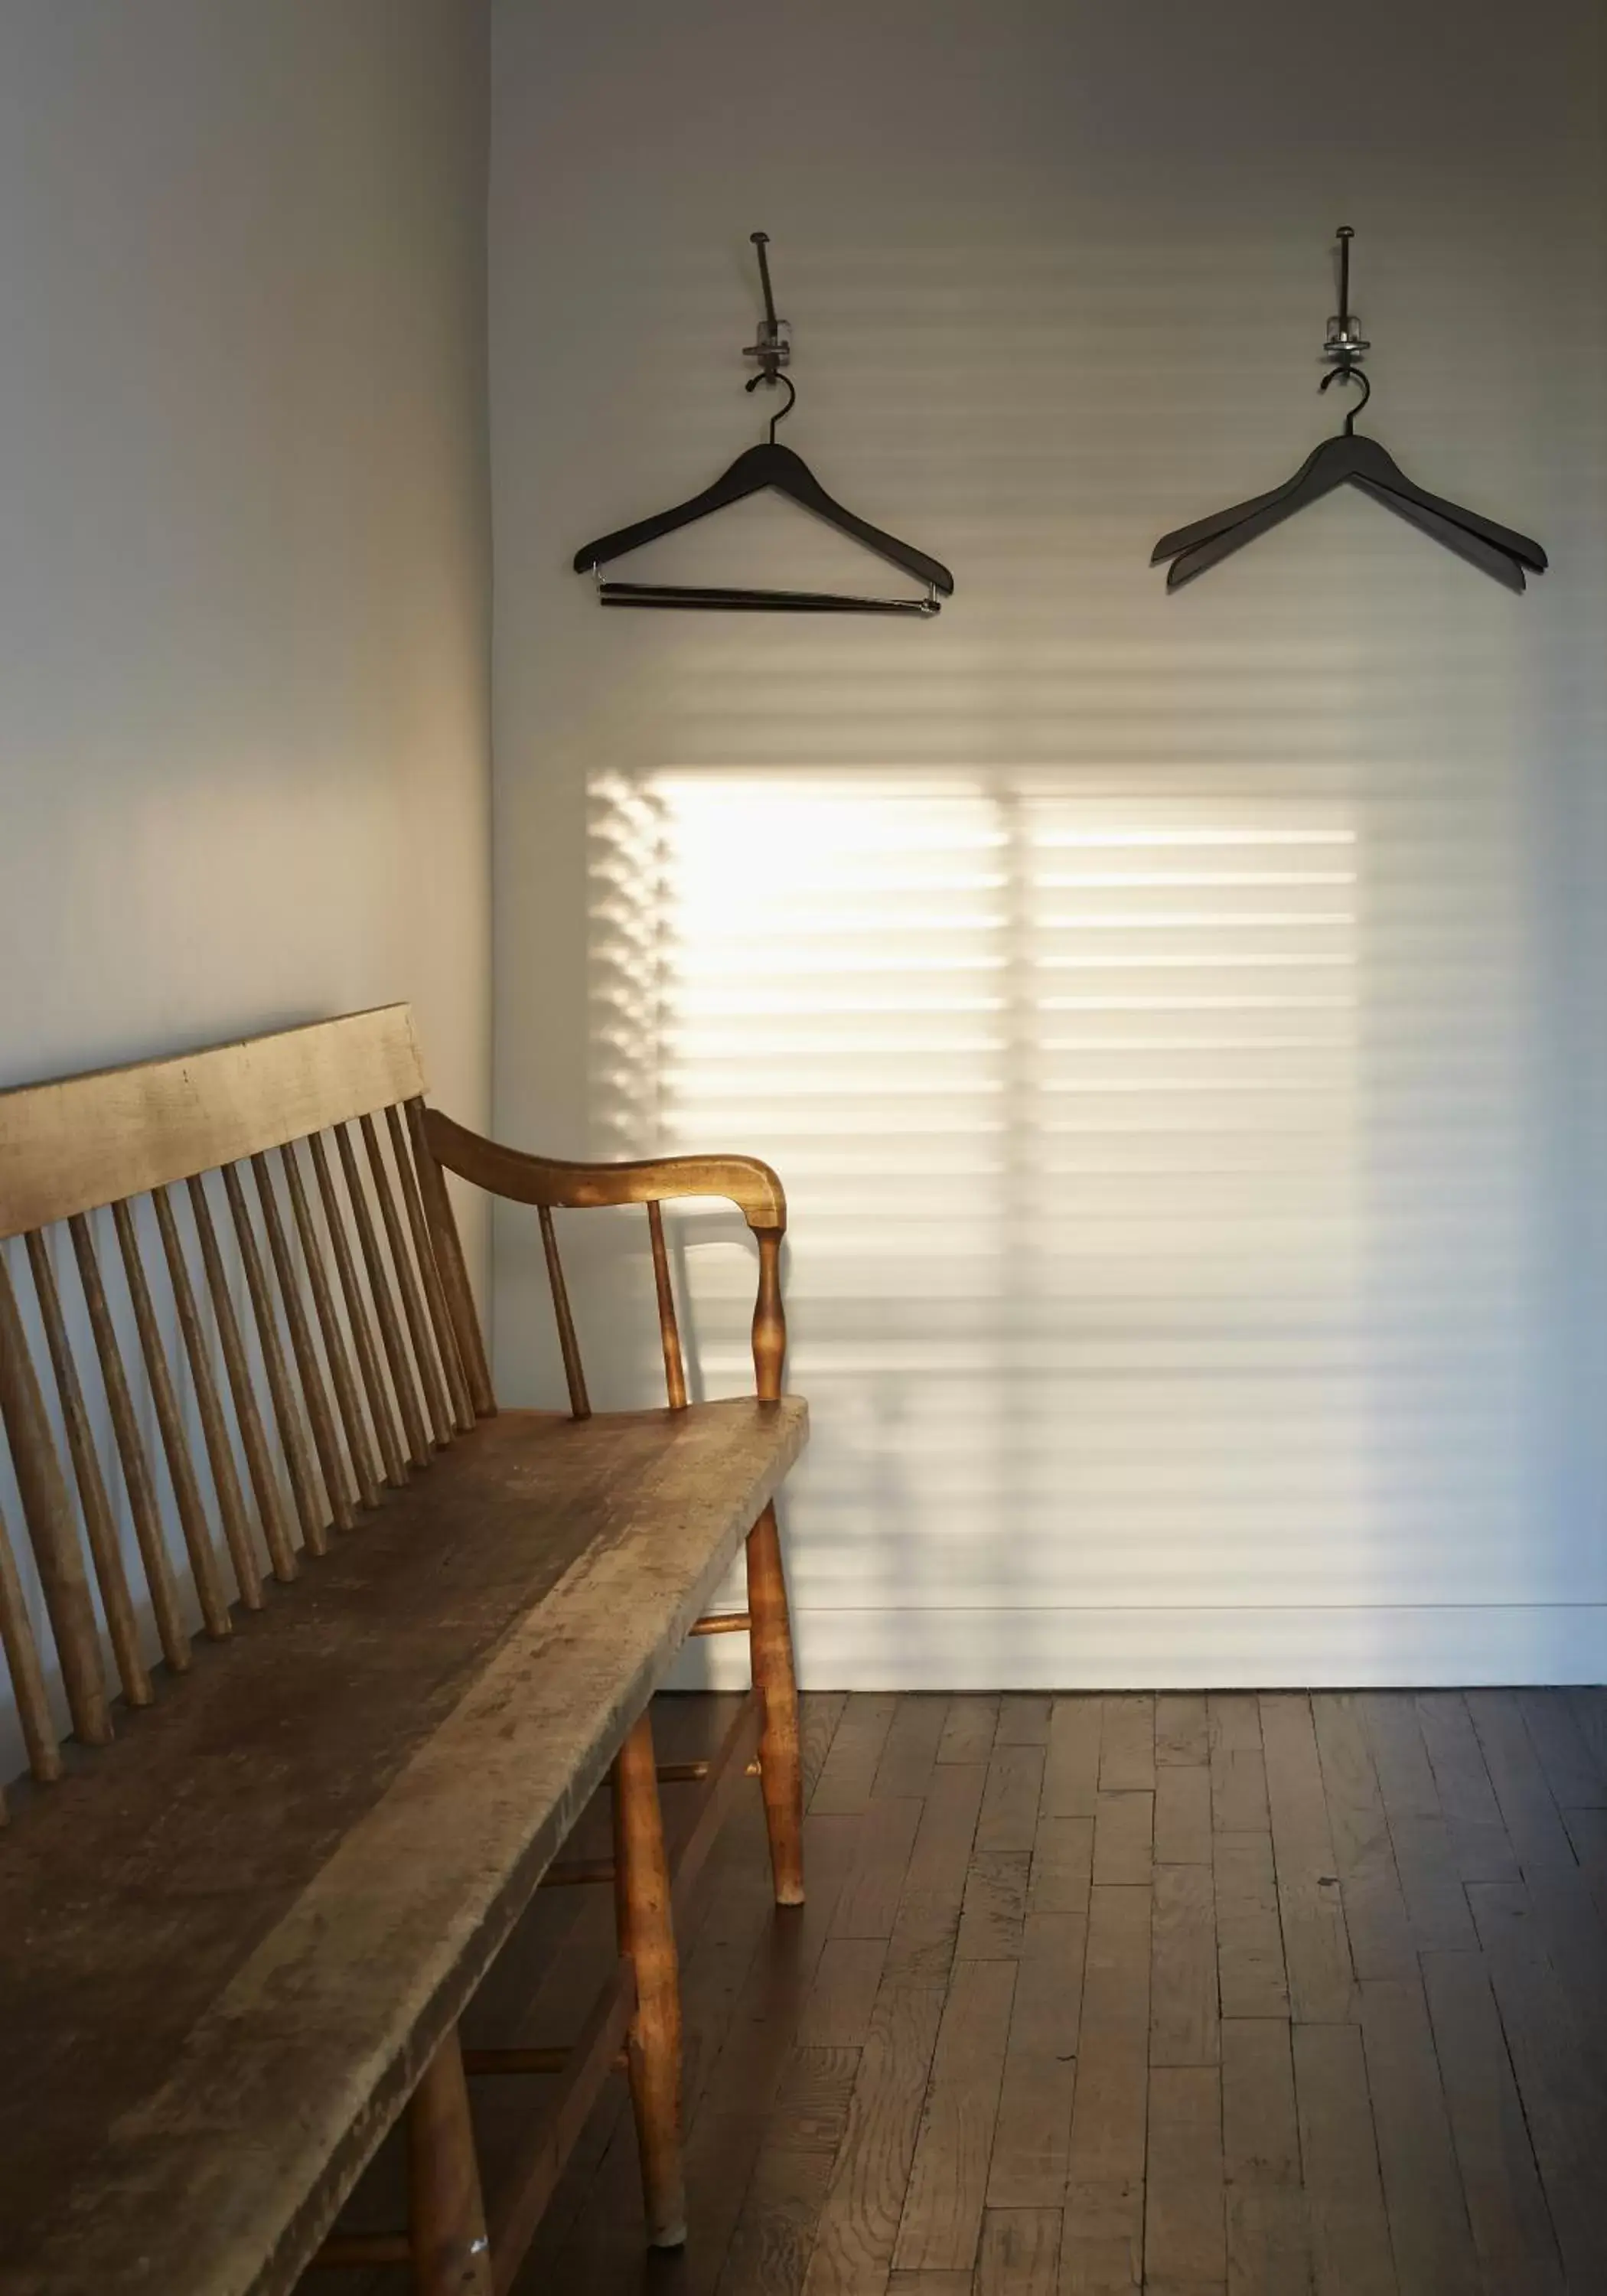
x=1225, y=1995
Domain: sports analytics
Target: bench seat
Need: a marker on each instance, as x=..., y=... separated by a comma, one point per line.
x=228, y=1963
x=245, y=1902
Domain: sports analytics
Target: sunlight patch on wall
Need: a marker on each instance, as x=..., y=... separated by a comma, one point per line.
x=1064, y=1089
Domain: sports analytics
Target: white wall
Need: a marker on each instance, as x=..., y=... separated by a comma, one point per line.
x=243, y=526
x=1059, y=275
x=244, y=561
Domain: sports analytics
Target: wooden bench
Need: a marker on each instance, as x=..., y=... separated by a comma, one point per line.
x=242, y=1912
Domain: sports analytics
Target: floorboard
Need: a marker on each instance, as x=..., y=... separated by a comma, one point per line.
x=1071, y=1760
x=1020, y=2254
x=1350, y=2252
x=1506, y=2208
x=1126, y=1750
x=1237, y=1767
x=1185, y=2232
x=1268, y=2241
x=1316, y=1944
x=910, y=1748
x=942, y=2219
x=922, y=1944
x=1182, y=1814
x=1101, y=2236
x=1183, y=1968
x=1191, y=1994
x=1479, y=1842
x=1428, y=2229
x=1533, y=1823
x=847, y=1776
x=969, y=1728
x=1032, y=2132
x=859, y=2221
x=774, y=2230
x=1124, y=1828
x=1182, y=1731
x=1560, y=2086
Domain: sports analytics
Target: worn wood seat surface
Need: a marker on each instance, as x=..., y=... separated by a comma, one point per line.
x=234, y=1941
x=327, y=1838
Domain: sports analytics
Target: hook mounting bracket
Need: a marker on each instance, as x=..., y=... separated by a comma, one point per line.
x=1346, y=343
x=774, y=348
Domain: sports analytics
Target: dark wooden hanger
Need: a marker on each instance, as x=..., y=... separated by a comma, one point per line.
x=762, y=466
x=768, y=465
x=1347, y=460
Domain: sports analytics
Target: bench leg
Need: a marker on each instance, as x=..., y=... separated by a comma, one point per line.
x=446, y=2217
x=780, y=1757
x=647, y=1941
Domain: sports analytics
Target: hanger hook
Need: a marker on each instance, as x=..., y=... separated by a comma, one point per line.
x=1350, y=375
x=781, y=413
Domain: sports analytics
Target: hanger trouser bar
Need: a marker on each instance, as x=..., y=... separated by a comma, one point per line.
x=779, y=602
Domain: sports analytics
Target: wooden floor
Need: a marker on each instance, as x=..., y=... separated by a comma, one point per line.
x=1183, y=1993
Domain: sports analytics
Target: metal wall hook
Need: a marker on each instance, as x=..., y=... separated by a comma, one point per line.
x=1346, y=343
x=772, y=350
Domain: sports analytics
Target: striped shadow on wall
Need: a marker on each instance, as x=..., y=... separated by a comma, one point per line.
x=1146, y=1330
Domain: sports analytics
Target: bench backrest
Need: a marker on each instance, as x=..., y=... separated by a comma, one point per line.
x=272, y=1212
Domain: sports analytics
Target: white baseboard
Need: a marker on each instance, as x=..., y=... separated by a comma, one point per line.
x=1367, y=1647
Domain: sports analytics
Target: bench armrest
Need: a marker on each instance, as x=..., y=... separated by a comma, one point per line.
x=548, y=1182
x=742, y=1180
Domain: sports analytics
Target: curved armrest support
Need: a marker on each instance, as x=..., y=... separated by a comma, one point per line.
x=546, y=1181
x=742, y=1180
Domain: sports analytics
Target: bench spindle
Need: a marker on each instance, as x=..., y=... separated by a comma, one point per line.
x=669, y=1333
x=172, y=1633
x=26, y=1675
x=379, y=1285
x=449, y=1260
x=314, y=1396
x=359, y=1449
x=574, y=1371
x=94, y=1504
x=181, y=1469
x=446, y=1339
x=265, y=1479
x=292, y=1436
x=407, y=1286
x=220, y=1452
x=52, y=1531
x=380, y=1407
